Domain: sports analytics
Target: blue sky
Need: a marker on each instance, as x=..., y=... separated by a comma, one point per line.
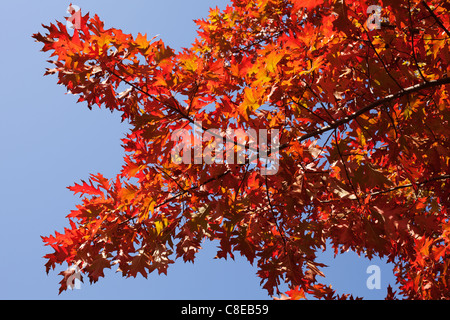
x=48, y=142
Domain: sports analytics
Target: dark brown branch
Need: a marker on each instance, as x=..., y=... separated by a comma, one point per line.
x=444, y=177
x=439, y=22
x=371, y=106
x=409, y=185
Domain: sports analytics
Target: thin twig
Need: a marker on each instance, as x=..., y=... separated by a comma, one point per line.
x=345, y=167
x=382, y=62
x=439, y=22
x=176, y=110
x=412, y=42
x=279, y=228
x=307, y=109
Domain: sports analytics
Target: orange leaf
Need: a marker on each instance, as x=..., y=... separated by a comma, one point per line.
x=308, y=4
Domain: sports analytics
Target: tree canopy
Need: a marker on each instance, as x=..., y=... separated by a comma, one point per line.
x=350, y=100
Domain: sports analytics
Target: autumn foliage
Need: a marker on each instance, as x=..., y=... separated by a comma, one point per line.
x=364, y=157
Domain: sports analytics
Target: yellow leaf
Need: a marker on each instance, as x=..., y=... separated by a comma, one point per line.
x=437, y=45
x=160, y=225
x=151, y=209
x=361, y=137
x=314, y=65
x=141, y=41
x=191, y=65
x=249, y=104
x=272, y=60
